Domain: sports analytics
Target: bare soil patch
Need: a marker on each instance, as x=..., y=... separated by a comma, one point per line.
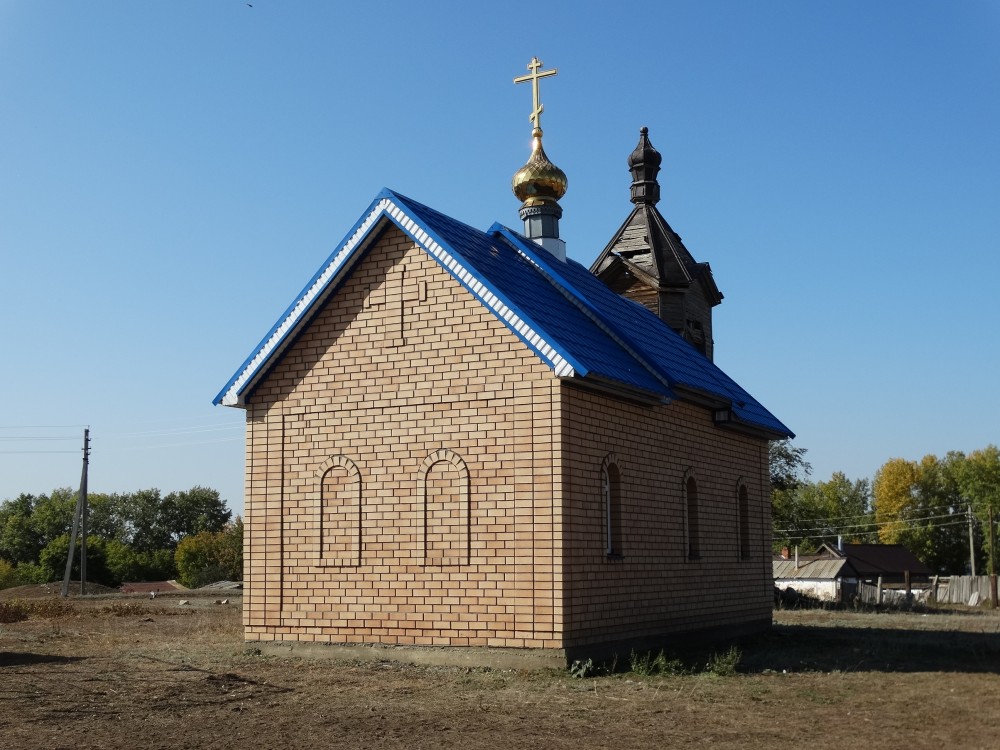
x=119, y=671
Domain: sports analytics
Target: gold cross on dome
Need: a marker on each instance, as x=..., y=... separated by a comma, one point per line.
x=533, y=76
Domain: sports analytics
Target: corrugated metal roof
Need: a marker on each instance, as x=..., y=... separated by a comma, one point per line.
x=671, y=357
x=572, y=320
x=820, y=570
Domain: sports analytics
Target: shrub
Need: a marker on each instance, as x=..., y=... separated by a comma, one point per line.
x=646, y=663
x=22, y=574
x=724, y=664
x=127, y=609
x=208, y=557
x=13, y=611
x=17, y=610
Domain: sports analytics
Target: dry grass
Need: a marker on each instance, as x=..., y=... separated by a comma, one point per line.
x=155, y=674
x=16, y=610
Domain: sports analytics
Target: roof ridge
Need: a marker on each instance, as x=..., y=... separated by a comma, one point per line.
x=679, y=250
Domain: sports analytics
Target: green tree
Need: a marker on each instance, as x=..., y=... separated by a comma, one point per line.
x=920, y=506
x=194, y=511
x=813, y=513
x=979, y=481
x=144, y=520
x=945, y=519
x=132, y=536
x=107, y=516
x=52, y=560
x=149, y=522
x=30, y=522
x=7, y=575
x=20, y=575
x=206, y=557
x=789, y=471
x=229, y=550
x=127, y=564
x=19, y=540
x=52, y=515
x=787, y=464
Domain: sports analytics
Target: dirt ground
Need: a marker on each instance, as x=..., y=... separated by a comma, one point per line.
x=117, y=672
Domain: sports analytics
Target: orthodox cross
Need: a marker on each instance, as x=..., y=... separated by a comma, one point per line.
x=404, y=289
x=533, y=76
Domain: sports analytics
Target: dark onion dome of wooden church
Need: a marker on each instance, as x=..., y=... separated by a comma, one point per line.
x=646, y=260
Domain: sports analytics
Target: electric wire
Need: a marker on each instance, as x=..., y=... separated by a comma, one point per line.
x=956, y=519
x=866, y=515
x=113, y=442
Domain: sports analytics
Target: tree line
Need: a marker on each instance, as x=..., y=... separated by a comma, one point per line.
x=134, y=536
x=928, y=506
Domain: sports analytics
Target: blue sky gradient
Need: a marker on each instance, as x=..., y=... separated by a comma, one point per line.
x=171, y=174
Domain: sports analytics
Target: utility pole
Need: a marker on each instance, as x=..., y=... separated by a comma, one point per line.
x=993, y=561
x=972, y=547
x=79, y=519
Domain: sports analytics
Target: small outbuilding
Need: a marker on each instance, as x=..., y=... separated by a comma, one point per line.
x=835, y=573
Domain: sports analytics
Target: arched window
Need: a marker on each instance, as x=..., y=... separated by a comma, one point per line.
x=612, y=506
x=743, y=513
x=691, y=497
x=443, y=489
x=340, y=512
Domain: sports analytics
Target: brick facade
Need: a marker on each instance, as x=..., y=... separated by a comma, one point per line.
x=400, y=471
x=417, y=476
x=652, y=586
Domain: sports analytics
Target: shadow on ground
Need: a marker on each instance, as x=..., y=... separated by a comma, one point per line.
x=802, y=648
x=25, y=658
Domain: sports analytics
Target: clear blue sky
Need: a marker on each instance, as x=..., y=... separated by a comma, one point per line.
x=172, y=173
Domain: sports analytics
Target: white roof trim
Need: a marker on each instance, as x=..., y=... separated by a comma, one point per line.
x=233, y=395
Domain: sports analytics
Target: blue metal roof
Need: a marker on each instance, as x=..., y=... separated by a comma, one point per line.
x=568, y=317
x=671, y=356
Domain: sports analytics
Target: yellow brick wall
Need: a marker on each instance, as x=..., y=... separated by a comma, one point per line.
x=654, y=587
x=401, y=389
x=415, y=475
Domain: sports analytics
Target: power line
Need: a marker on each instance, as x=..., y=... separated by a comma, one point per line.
x=108, y=440
x=11, y=452
x=955, y=521
x=157, y=446
x=866, y=515
x=36, y=437
x=179, y=431
x=43, y=427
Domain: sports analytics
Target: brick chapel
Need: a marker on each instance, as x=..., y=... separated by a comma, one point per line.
x=463, y=438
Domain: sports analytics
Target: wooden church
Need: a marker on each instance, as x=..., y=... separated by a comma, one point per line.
x=463, y=438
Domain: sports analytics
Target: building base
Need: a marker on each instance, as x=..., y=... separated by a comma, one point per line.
x=612, y=652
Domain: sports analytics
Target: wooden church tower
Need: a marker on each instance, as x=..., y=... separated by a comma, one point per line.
x=647, y=262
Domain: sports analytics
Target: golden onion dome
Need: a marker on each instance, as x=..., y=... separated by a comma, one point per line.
x=539, y=179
